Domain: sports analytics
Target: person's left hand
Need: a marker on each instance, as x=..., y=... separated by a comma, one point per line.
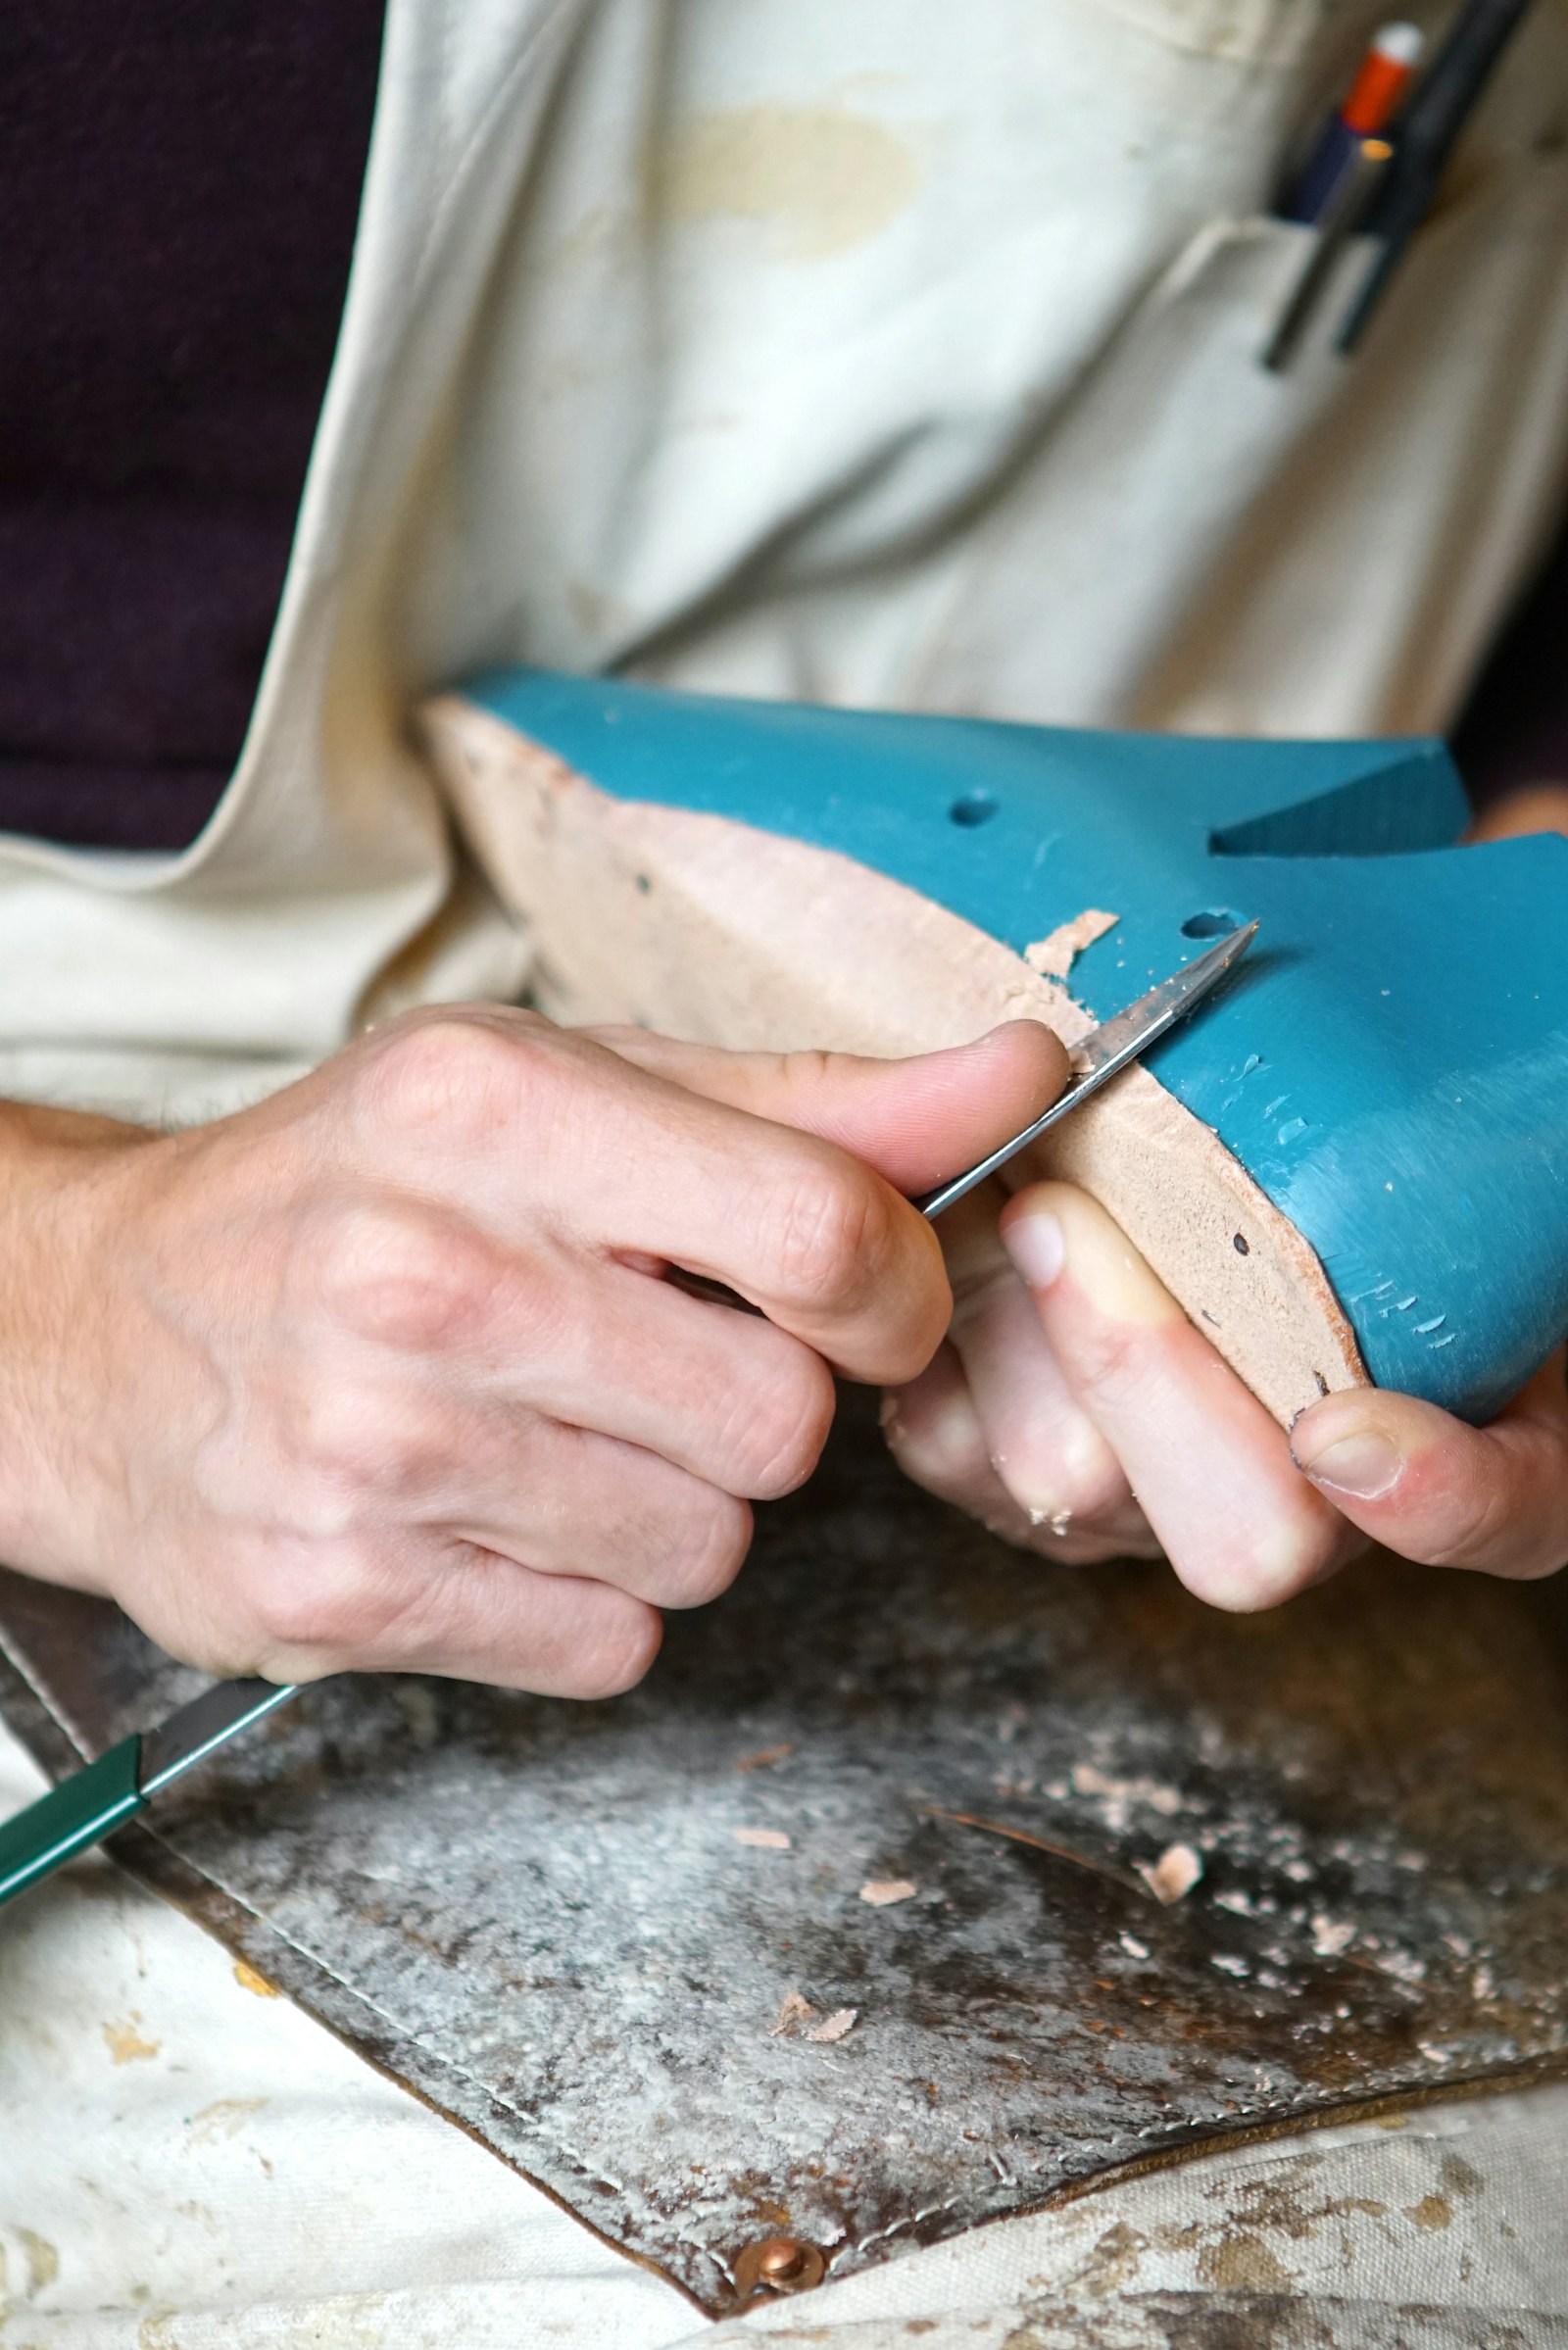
x=1077, y=1411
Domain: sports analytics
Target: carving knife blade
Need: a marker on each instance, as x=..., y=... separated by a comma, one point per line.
x=1104, y=1053
x=102, y=1796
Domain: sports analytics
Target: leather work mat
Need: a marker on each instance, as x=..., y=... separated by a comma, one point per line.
x=549, y=1921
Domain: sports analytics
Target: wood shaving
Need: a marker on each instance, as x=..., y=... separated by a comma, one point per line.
x=766, y=1755
x=795, y=2011
x=1053, y=958
x=1087, y=1781
x=834, y=2027
x=250, y=1980
x=767, y=1839
x=1175, y=1873
x=882, y=1891
x=1036, y=1844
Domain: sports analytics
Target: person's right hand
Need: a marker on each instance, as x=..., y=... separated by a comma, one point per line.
x=384, y=1372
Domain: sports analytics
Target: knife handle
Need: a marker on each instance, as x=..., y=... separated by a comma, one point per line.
x=71, y=1816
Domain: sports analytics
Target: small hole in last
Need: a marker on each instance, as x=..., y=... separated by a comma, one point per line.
x=973, y=807
x=1211, y=925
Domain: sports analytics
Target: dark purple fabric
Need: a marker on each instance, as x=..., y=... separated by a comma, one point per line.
x=1516, y=728
x=180, y=182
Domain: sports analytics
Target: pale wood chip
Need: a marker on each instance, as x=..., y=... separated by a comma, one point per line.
x=1052, y=957
x=767, y=1839
x=1087, y=1781
x=1174, y=1874
x=835, y=2026
x=250, y=1980
x=793, y=2010
x=880, y=1891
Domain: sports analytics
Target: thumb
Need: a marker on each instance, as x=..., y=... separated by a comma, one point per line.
x=916, y=1121
x=1439, y=1492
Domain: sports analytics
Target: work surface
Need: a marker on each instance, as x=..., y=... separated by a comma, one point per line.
x=557, y=1924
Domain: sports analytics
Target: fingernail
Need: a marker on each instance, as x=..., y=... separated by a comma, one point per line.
x=1106, y=1270
x=1365, y=1466
x=1036, y=1246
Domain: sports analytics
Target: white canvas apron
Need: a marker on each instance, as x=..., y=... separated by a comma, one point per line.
x=896, y=355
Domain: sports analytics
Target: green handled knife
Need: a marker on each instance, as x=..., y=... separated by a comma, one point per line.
x=91, y=1802
x=94, y=1801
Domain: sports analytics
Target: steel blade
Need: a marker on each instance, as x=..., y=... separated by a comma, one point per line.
x=1104, y=1052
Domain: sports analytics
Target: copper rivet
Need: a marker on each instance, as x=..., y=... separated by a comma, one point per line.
x=779, y=2264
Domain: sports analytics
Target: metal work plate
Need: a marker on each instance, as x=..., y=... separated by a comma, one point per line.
x=559, y=1923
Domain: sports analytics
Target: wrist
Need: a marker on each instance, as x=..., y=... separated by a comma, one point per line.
x=60, y=1183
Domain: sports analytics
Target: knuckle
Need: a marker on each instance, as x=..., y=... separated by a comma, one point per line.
x=1474, y=1530
x=1075, y=1481
x=351, y=1445
x=937, y=1439
x=326, y=1601
x=704, y=1551
x=1296, y=1552
x=1062, y=1501
x=716, y=1557
x=616, y=1655
x=830, y=1232
x=778, y=1427
x=401, y=1275
x=1297, y=1548
x=451, y=1075
x=1110, y=1358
